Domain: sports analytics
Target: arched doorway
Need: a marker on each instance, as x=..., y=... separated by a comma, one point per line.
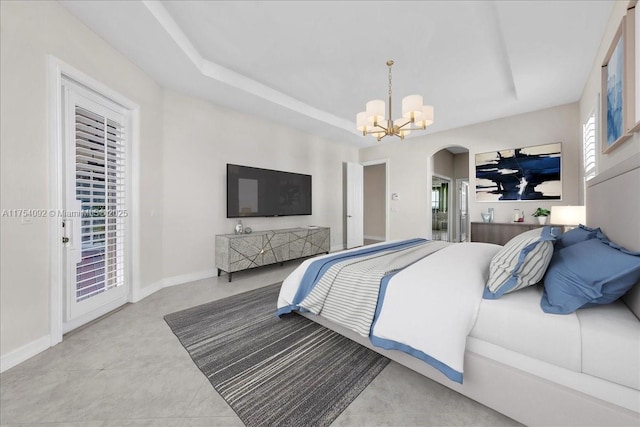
x=449, y=194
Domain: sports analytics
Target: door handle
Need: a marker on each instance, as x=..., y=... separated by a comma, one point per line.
x=349, y=216
x=76, y=232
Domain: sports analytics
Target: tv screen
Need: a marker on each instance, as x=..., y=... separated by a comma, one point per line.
x=255, y=192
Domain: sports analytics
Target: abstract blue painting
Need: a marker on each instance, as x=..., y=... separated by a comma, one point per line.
x=615, y=90
x=529, y=173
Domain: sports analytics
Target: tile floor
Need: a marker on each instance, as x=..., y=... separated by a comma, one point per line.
x=128, y=369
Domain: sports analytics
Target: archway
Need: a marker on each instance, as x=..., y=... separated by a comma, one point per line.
x=450, y=178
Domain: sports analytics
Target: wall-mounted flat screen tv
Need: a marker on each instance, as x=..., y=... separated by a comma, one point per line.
x=255, y=192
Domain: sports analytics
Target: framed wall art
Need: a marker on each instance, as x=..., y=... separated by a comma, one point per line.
x=633, y=35
x=520, y=174
x=618, y=102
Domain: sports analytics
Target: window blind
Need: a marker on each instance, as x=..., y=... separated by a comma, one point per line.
x=100, y=186
x=589, y=146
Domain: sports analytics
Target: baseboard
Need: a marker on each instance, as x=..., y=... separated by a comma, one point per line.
x=337, y=248
x=191, y=277
x=23, y=353
x=29, y=350
x=140, y=294
x=378, y=238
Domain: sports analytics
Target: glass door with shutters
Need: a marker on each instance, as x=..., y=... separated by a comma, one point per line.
x=95, y=215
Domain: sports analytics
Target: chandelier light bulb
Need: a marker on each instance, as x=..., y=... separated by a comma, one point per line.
x=427, y=116
x=375, y=111
x=412, y=107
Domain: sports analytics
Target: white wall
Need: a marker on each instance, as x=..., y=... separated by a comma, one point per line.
x=411, y=164
x=29, y=31
x=185, y=144
x=199, y=140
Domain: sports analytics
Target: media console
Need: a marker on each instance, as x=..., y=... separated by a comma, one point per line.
x=237, y=252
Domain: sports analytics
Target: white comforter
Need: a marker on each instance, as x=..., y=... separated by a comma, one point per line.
x=428, y=308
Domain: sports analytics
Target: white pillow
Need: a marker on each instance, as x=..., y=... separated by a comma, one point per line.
x=520, y=263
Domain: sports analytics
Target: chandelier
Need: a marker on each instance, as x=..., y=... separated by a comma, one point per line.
x=415, y=116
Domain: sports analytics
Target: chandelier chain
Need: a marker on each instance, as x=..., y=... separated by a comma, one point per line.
x=390, y=79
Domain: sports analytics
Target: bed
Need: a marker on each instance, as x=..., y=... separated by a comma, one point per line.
x=499, y=347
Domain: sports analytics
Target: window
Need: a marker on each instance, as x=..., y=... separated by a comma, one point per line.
x=100, y=151
x=589, y=145
x=96, y=152
x=435, y=199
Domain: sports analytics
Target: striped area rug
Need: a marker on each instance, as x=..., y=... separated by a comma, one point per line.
x=274, y=371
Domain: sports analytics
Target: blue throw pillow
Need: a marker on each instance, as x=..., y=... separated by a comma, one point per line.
x=588, y=273
x=577, y=235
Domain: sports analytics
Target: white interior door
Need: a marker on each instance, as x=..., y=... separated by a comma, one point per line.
x=95, y=212
x=354, y=204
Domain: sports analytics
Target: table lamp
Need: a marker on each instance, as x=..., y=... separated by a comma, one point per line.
x=568, y=216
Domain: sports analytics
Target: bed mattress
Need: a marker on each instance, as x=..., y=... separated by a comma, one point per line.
x=611, y=343
x=516, y=322
x=603, y=342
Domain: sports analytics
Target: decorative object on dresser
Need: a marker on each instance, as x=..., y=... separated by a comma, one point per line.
x=498, y=233
x=237, y=252
x=487, y=217
x=541, y=214
x=518, y=215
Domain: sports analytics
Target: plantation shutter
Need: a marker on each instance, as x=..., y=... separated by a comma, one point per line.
x=589, y=146
x=100, y=187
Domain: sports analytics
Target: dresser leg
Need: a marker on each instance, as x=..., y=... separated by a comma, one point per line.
x=229, y=279
x=219, y=271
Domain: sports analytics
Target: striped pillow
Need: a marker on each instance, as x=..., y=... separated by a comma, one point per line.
x=520, y=263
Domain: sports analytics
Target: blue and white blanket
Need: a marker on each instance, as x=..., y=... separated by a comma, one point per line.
x=411, y=295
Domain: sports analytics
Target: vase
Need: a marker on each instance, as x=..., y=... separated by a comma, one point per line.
x=542, y=220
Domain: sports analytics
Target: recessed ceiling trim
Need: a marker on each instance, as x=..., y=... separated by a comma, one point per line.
x=506, y=63
x=224, y=75
x=175, y=32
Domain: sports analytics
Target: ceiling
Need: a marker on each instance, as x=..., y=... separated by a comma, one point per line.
x=313, y=65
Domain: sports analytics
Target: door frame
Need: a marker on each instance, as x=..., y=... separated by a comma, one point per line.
x=386, y=163
x=57, y=70
x=449, y=202
x=458, y=182
x=353, y=206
